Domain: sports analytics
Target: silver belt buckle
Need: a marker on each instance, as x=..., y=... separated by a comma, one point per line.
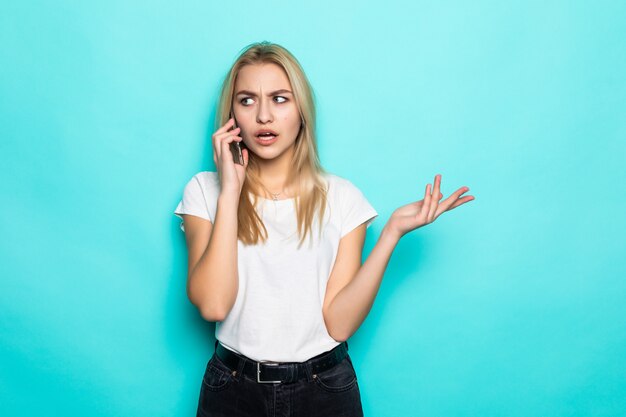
x=258, y=371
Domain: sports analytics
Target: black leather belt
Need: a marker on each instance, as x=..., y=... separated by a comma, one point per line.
x=273, y=372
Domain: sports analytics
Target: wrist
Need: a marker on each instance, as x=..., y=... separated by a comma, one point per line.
x=390, y=234
x=228, y=197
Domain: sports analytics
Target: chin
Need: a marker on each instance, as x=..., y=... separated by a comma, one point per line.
x=269, y=153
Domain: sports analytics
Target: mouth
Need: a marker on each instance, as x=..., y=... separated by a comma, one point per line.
x=266, y=138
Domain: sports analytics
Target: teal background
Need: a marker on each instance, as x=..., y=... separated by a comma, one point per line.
x=511, y=305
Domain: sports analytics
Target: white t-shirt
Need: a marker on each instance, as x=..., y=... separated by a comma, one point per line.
x=277, y=315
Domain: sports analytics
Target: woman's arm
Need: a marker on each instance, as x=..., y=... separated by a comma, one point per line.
x=213, y=279
x=346, y=311
x=352, y=288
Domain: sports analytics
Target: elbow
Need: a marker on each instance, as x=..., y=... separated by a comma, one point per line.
x=208, y=310
x=210, y=313
x=332, y=332
x=212, y=305
x=337, y=337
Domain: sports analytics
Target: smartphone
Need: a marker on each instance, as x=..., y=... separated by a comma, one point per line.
x=235, y=147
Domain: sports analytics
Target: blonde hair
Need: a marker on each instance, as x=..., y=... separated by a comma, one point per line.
x=305, y=172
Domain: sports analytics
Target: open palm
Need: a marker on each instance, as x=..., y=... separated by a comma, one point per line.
x=420, y=213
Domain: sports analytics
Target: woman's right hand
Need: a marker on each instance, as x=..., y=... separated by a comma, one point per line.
x=231, y=174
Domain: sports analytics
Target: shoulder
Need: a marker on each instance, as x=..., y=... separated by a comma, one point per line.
x=207, y=180
x=339, y=183
x=207, y=177
x=334, y=179
x=204, y=185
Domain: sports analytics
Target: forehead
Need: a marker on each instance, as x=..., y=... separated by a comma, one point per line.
x=267, y=76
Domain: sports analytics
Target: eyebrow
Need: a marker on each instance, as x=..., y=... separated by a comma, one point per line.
x=250, y=93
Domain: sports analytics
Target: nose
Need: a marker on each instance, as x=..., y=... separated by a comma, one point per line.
x=264, y=113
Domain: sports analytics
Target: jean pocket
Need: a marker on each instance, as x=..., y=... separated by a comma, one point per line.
x=217, y=376
x=339, y=378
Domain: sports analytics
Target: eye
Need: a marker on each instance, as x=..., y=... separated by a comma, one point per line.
x=250, y=98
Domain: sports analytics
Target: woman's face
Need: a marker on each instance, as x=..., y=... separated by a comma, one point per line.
x=264, y=100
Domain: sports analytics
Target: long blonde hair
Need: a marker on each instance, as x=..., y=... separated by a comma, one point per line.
x=305, y=172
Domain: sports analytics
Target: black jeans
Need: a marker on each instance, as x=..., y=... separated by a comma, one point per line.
x=226, y=393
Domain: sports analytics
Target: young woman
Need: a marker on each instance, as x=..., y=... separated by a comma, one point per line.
x=285, y=289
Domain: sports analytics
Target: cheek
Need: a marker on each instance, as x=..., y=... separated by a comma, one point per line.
x=292, y=121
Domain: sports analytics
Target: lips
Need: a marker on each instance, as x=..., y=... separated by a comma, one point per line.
x=265, y=132
x=265, y=140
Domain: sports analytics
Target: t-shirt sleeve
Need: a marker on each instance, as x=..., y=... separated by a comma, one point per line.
x=355, y=209
x=195, y=201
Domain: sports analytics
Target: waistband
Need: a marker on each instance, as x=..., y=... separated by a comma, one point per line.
x=277, y=372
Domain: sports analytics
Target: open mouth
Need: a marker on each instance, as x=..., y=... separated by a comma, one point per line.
x=266, y=138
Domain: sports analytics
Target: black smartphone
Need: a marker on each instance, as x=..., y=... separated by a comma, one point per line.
x=235, y=147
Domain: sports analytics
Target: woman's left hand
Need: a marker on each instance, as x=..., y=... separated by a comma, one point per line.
x=423, y=212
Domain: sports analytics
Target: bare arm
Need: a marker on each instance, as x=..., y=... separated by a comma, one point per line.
x=212, y=280
x=352, y=287
x=213, y=277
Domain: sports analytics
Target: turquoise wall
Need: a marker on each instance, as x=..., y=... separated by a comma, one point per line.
x=511, y=305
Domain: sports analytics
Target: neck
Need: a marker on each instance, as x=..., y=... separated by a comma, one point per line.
x=273, y=173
